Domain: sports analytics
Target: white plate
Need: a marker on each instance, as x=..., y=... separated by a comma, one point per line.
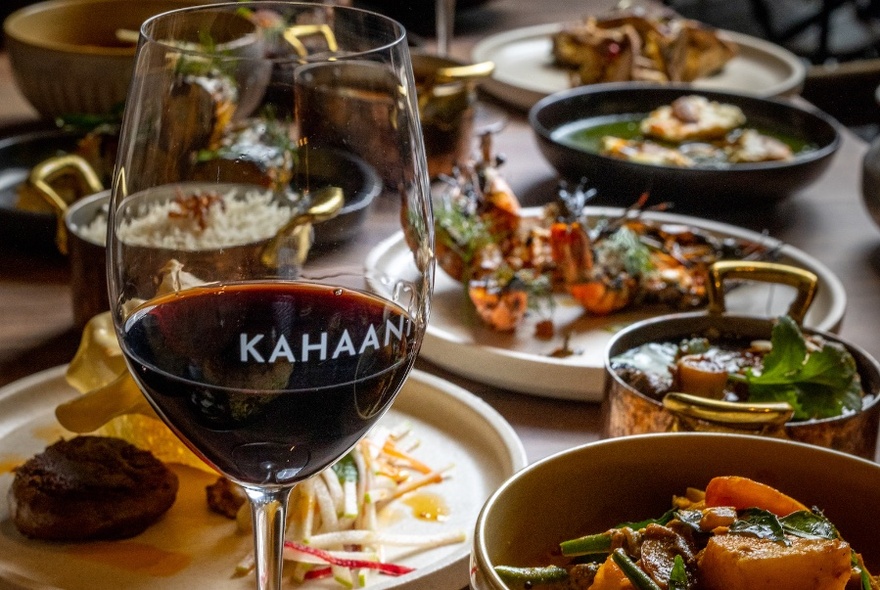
x=455, y=428
x=457, y=340
x=524, y=70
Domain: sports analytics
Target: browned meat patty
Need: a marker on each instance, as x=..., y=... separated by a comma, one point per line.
x=89, y=488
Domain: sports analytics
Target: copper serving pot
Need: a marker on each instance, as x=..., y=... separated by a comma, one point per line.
x=628, y=411
x=447, y=98
x=81, y=228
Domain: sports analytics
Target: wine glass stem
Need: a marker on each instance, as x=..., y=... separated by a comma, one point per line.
x=269, y=512
x=445, y=19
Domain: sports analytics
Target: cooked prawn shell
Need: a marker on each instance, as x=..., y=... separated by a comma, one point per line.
x=692, y=117
x=501, y=307
x=605, y=296
x=572, y=251
x=499, y=207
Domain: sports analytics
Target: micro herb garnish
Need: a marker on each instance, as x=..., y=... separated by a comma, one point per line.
x=635, y=255
x=817, y=383
x=462, y=233
x=678, y=578
x=538, y=287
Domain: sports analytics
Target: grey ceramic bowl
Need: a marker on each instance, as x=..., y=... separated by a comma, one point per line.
x=620, y=182
x=593, y=487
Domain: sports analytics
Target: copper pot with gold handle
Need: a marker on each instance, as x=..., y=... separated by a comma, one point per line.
x=82, y=226
x=626, y=410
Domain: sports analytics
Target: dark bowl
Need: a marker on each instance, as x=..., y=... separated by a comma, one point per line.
x=698, y=189
x=23, y=149
x=362, y=185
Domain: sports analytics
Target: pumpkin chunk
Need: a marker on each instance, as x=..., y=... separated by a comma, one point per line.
x=738, y=562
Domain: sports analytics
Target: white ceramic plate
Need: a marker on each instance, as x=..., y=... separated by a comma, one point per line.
x=192, y=548
x=524, y=70
x=457, y=340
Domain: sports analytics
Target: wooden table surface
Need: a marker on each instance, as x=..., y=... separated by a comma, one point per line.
x=827, y=220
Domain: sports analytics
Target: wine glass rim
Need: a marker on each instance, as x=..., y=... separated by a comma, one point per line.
x=398, y=37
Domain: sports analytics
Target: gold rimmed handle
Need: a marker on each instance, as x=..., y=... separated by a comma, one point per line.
x=696, y=413
x=49, y=171
x=294, y=33
x=466, y=72
x=326, y=204
x=805, y=282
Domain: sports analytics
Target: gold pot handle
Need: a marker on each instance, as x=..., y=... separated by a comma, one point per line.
x=326, y=204
x=475, y=71
x=806, y=283
x=294, y=33
x=44, y=174
x=696, y=413
x=451, y=81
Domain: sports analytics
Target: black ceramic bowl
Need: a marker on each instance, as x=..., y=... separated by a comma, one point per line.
x=21, y=150
x=362, y=185
x=620, y=182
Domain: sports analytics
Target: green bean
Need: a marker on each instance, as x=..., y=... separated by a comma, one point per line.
x=634, y=573
x=535, y=575
x=587, y=545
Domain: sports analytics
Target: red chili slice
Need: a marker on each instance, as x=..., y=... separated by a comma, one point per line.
x=392, y=569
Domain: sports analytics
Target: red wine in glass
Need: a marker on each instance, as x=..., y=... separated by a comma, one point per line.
x=270, y=382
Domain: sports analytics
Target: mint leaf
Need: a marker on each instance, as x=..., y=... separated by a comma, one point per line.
x=832, y=365
x=786, y=357
x=817, y=384
x=777, y=392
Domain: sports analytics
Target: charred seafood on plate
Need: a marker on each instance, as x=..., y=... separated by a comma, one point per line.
x=511, y=262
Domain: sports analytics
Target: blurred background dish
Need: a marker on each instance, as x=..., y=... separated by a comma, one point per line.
x=448, y=107
x=693, y=189
x=76, y=56
x=525, y=73
x=592, y=488
x=418, y=17
x=33, y=229
x=23, y=229
x=85, y=222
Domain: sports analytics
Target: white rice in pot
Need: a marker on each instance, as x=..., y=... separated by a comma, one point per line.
x=230, y=221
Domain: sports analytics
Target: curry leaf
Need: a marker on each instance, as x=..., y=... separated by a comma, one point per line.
x=663, y=519
x=809, y=525
x=690, y=518
x=761, y=524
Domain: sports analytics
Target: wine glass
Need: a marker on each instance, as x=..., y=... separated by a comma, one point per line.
x=445, y=25
x=251, y=182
